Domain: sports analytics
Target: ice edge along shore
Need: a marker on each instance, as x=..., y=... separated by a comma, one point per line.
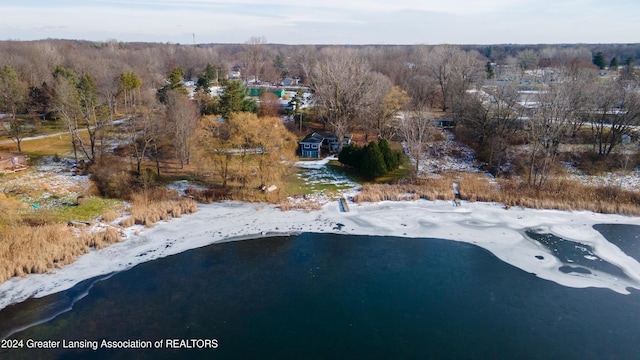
x=487, y=225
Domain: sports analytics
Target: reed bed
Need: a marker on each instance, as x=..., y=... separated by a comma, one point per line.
x=38, y=243
x=473, y=187
x=150, y=207
x=110, y=216
x=28, y=249
x=559, y=194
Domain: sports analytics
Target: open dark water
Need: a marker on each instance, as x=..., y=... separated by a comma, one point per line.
x=324, y=296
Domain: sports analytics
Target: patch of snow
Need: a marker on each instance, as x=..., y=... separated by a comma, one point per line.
x=627, y=181
x=484, y=224
x=182, y=185
x=446, y=155
x=315, y=164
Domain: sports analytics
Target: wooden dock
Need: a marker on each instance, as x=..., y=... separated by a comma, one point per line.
x=343, y=205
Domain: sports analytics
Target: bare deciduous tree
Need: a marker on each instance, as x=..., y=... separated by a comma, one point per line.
x=142, y=128
x=12, y=99
x=491, y=116
x=452, y=69
x=616, y=115
x=183, y=115
x=550, y=125
x=302, y=62
x=343, y=86
x=255, y=52
x=417, y=130
x=65, y=105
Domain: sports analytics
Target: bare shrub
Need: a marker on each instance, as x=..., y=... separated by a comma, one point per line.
x=207, y=196
x=112, y=177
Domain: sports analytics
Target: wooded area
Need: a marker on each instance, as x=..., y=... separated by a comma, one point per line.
x=516, y=105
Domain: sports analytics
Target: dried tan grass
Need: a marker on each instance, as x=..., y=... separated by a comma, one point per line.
x=306, y=205
x=128, y=221
x=110, y=215
x=207, y=196
x=100, y=239
x=571, y=195
x=151, y=207
x=558, y=194
x=26, y=249
x=473, y=187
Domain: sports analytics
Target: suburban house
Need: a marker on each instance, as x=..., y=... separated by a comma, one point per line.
x=310, y=146
x=321, y=144
x=235, y=73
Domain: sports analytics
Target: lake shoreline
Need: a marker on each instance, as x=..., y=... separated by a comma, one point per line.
x=487, y=225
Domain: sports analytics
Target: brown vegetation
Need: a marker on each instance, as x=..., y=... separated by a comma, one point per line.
x=151, y=206
x=207, y=196
x=300, y=204
x=38, y=249
x=38, y=244
x=556, y=194
x=110, y=216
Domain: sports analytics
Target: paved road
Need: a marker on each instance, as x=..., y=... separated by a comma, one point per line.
x=9, y=141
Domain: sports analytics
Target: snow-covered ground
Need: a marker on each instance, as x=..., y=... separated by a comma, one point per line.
x=487, y=225
x=629, y=180
x=52, y=181
x=446, y=155
x=320, y=178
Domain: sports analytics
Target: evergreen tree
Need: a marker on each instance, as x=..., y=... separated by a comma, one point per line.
x=278, y=63
x=68, y=74
x=174, y=82
x=391, y=158
x=295, y=107
x=39, y=99
x=128, y=83
x=630, y=61
x=373, y=165
x=235, y=99
x=351, y=156
x=204, y=80
x=598, y=60
x=613, y=65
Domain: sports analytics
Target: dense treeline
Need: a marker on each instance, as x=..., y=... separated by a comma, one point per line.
x=514, y=104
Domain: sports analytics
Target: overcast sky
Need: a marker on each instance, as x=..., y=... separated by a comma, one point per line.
x=325, y=21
